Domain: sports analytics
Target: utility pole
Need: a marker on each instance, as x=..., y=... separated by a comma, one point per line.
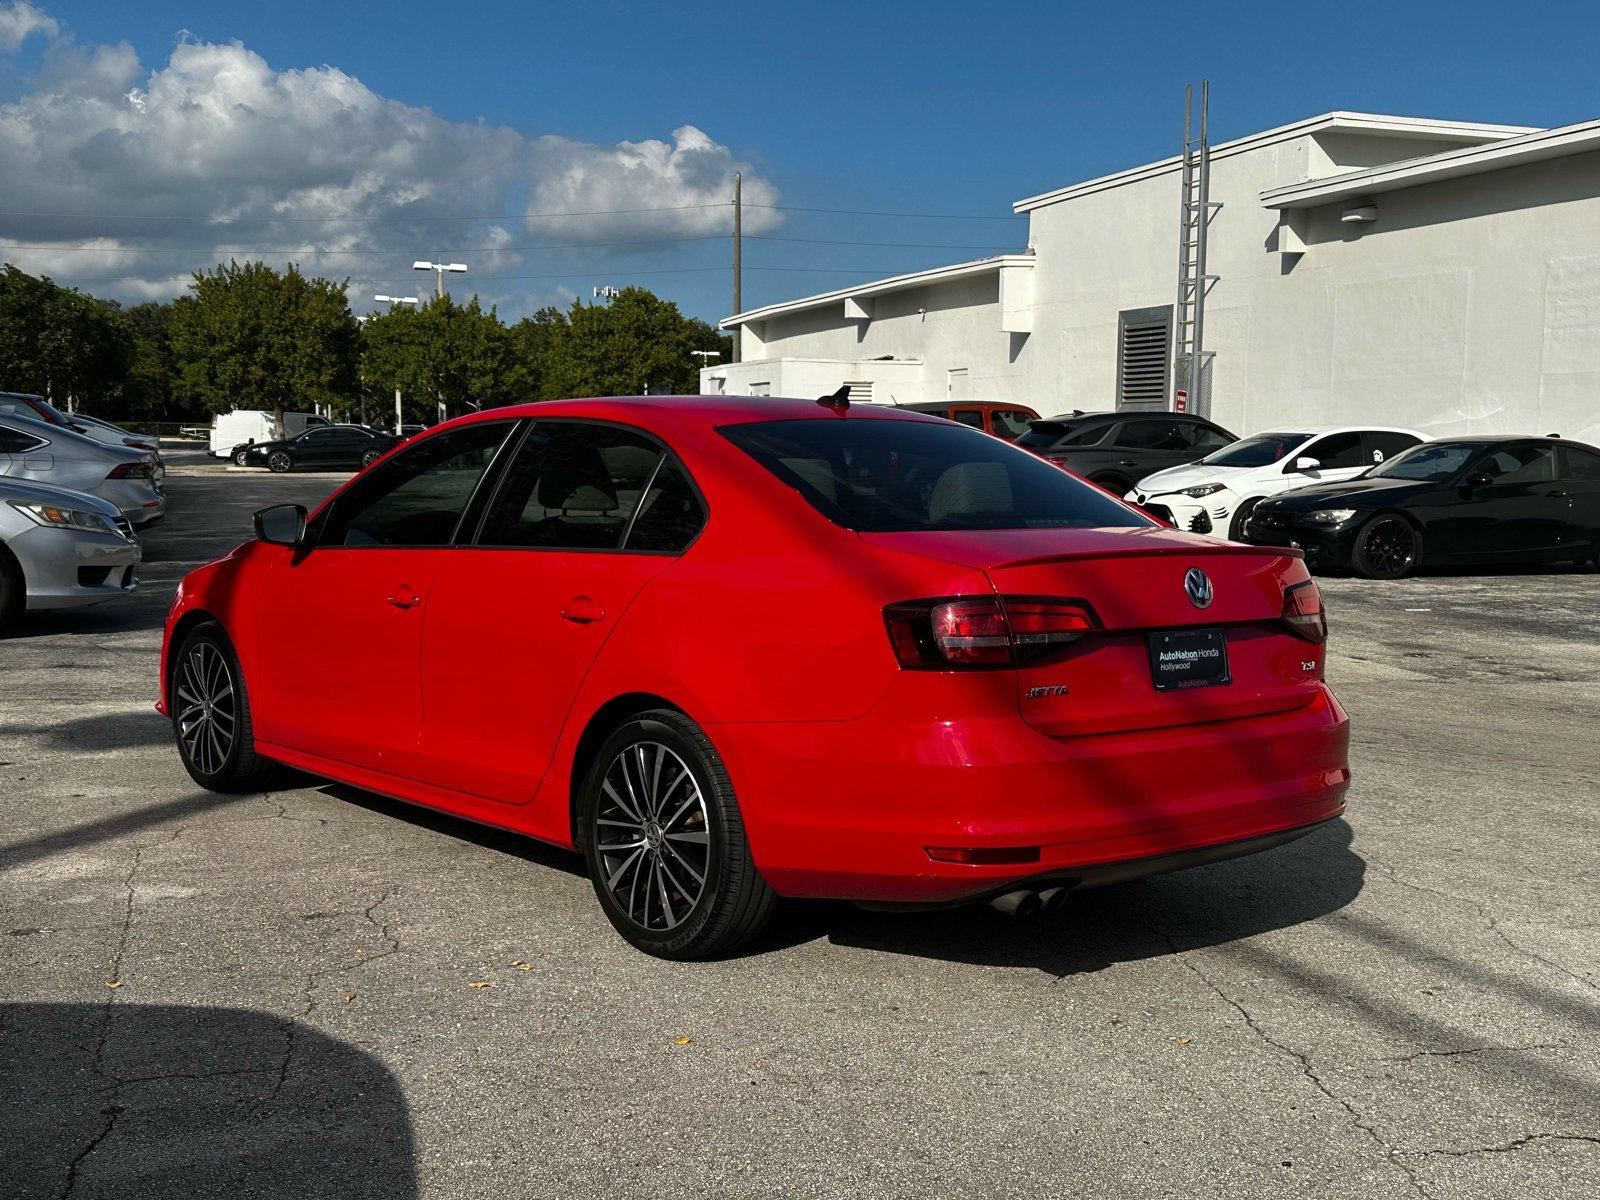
x=738, y=256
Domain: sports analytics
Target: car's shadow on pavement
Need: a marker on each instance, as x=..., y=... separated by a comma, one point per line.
x=107, y=731
x=173, y=1101
x=1095, y=929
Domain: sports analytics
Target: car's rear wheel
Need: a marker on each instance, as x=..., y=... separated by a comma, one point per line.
x=1388, y=547
x=241, y=458
x=211, y=715
x=665, y=842
x=279, y=461
x=1240, y=516
x=370, y=457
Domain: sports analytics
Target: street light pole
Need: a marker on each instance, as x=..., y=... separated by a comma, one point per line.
x=738, y=255
x=399, y=418
x=439, y=269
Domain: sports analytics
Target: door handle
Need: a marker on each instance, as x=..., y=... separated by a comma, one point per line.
x=582, y=610
x=1558, y=495
x=1125, y=462
x=404, y=597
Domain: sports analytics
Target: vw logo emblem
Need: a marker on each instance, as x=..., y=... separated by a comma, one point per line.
x=1198, y=587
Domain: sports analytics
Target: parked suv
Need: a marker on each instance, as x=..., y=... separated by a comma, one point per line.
x=1114, y=449
x=1009, y=421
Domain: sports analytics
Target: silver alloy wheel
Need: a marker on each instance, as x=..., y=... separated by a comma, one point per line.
x=208, y=716
x=652, y=836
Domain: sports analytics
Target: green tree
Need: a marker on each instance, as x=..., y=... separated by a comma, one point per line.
x=58, y=342
x=252, y=337
x=149, y=389
x=443, y=353
x=636, y=343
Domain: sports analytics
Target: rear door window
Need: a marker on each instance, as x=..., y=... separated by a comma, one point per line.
x=1579, y=464
x=1155, y=434
x=886, y=475
x=1384, y=444
x=1337, y=452
x=576, y=485
x=1525, y=462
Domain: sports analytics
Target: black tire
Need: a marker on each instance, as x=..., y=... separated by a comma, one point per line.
x=13, y=590
x=669, y=754
x=240, y=459
x=216, y=758
x=1240, y=516
x=370, y=457
x=1387, y=547
x=279, y=461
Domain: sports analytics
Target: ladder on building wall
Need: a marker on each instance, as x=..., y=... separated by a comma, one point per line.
x=1191, y=362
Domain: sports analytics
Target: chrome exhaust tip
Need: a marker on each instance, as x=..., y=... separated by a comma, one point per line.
x=1053, y=898
x=1018, y=904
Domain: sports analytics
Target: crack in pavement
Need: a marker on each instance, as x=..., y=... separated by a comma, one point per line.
x=1491, y=922
x=1391, y=1154
x=1405, y=1058
x=1518, y=1144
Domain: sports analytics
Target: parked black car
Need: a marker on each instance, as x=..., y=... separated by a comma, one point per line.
x=1458, y=500
x=1117, y=449
x=329, y=446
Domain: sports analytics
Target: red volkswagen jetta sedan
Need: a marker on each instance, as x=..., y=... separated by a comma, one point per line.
x=735, y=649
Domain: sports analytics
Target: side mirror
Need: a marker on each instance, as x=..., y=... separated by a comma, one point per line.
x=1306, y=463
x=1476, y=480
x=281, y=525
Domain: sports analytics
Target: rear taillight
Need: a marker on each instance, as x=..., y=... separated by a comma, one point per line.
x=1302, y=612
x=131, y=470
x=978, y=632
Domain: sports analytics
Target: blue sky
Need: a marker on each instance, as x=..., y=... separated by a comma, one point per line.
x=948, y=108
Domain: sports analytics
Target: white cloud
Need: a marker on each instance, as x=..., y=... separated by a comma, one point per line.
x=20, y=20
x=140, y=176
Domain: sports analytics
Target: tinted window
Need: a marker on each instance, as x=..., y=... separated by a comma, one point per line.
x=1579, y=464
x=416, y=497
x=1428, y=462
x=671, y=514
x=887, y=475
x=1152, y=435
x=971, y=417
x=13, y=442
x=1010, y=422
x=1525, y=462
x=1383, y=445
x=1337, y=452
x=572, y=486
x=1206, y=439
x=1259, y=451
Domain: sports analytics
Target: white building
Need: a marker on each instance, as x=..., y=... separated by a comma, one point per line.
x=1433, y=274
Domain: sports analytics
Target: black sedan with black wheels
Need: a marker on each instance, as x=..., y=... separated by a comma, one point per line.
x=324, y=447
x=1455, y=501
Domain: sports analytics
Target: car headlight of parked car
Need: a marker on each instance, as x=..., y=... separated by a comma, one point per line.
x=67, y=518
x=1205, y=489
x=1328, y=516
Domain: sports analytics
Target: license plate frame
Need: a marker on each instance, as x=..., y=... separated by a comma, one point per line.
x=1183, y=659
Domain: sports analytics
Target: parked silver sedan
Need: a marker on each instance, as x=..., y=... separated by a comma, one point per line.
x=59, y=456
x=60, y=549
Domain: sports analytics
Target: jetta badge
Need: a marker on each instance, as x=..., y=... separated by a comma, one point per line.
x=1197, y=587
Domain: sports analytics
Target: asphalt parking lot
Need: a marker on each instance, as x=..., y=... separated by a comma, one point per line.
x=319, y=992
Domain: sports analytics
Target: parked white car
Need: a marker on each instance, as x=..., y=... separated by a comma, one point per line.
x=1216, y=494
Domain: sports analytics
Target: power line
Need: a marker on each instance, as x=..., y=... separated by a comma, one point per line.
x=315, y=251
x=858, y=212
x=395, y=216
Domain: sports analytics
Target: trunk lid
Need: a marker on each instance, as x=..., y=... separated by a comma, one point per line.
x=1134, y=580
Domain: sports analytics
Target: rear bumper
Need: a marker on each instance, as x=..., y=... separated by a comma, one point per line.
x=848, y=810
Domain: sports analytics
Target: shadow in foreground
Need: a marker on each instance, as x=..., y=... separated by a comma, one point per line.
x=1202, y=906
x=131, y=1100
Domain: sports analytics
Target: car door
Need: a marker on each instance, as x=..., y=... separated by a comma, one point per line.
x=341, y=624
x=1579, y=475
x=1145, y=445
x=319, y=447
x=1383, y=444
x=1508, y=507
x=1339, y=456
x=584, y=516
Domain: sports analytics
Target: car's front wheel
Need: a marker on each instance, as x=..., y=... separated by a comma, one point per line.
x=1240, y=516
x=211, y=715
x=370, y=457
x=1388, y=547
x=665, y=842
x=279, y=461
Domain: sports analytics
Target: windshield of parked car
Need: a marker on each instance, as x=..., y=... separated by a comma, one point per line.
x=1431, y=461
x=889, y=476
x=1260, y=451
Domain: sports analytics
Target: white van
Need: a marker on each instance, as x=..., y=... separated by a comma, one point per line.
x=245, y=425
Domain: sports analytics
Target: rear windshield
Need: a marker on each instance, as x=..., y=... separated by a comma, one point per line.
x=1258, y=451
x=896, y=476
